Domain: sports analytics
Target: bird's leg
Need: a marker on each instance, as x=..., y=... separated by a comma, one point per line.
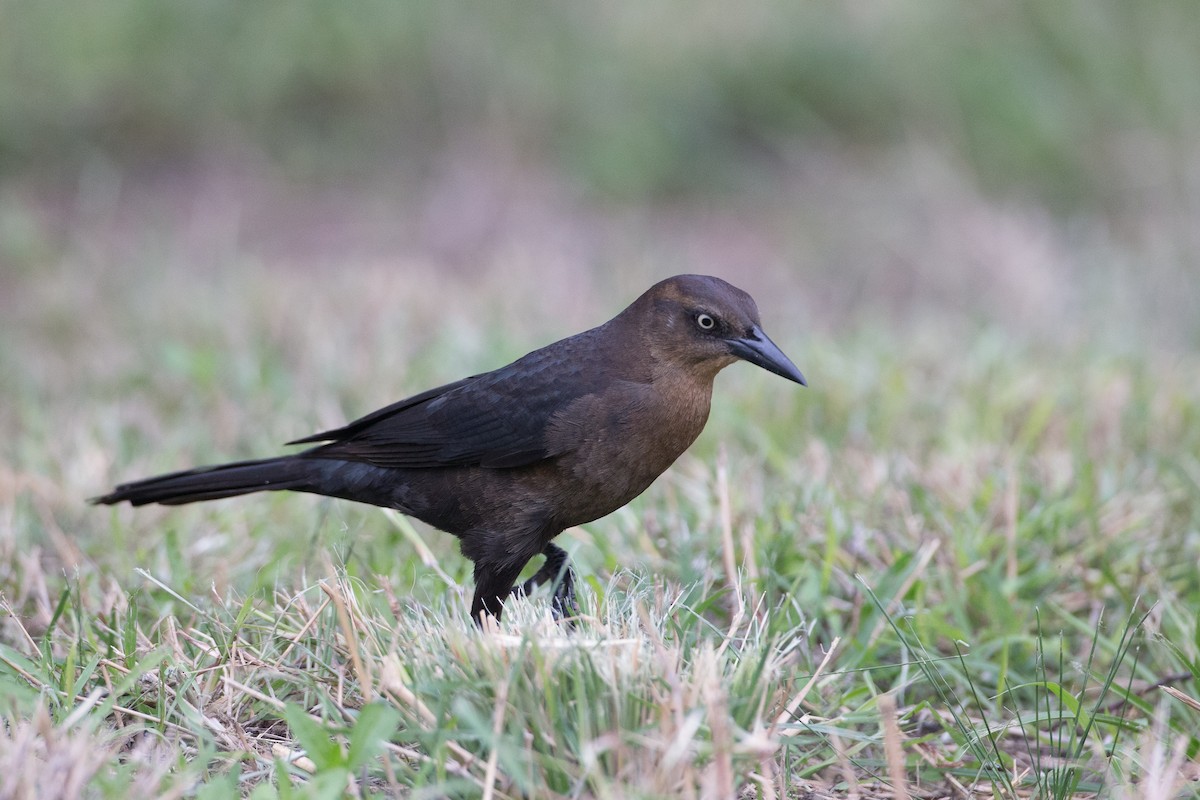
x=556, y=568
x=556, y=558
x=563, y=602
x=493, y=583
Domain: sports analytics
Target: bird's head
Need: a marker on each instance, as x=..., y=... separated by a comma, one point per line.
x=707, y=324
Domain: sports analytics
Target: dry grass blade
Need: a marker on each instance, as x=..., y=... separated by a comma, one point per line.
x=1186, y=699
x=893, y=748
x=362, y=669
x=789, y=711
x=491, y=772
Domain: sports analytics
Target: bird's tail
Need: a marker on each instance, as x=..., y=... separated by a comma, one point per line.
x=212, y=483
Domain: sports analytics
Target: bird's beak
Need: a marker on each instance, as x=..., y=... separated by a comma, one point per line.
x=759, y=350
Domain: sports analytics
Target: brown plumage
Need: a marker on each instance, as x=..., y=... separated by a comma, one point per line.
x=509, y=459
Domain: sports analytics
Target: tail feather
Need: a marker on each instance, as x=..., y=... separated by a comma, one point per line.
x=213, y=483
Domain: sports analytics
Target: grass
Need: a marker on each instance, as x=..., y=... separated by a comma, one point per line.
x=963, y=562
x=956, y=564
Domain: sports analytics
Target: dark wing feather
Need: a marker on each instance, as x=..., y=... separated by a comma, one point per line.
x=363, y=423
x=497, y=419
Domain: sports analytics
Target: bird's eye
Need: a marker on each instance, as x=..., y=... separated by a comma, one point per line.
x=705, y=321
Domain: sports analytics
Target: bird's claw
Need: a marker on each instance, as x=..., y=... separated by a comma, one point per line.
x=562, y=599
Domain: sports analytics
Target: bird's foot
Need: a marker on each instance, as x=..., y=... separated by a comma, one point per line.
x=562, y=599
x=563, y=604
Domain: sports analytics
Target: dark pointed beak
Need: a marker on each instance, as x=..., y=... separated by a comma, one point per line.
x=759, y=350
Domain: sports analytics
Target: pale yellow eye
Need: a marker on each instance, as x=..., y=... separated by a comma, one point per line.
x=705, y=321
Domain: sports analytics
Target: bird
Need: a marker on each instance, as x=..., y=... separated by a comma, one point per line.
x=507, y=460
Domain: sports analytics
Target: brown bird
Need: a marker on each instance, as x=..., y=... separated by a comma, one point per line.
x=509, y=459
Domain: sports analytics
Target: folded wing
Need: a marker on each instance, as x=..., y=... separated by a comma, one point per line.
x=495, y=420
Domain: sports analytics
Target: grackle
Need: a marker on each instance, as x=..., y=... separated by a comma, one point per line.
x=509, y=459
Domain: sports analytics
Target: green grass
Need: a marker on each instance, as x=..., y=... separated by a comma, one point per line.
x=966, y=559
x=995, y=533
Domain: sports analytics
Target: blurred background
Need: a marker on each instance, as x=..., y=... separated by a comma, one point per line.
x=1030, y=165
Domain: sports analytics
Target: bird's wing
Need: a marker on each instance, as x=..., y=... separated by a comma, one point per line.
x=497, y=419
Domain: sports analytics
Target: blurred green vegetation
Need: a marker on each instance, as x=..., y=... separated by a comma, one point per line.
x=1080, y=102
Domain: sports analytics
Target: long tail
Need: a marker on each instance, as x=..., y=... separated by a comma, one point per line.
x=212, y=483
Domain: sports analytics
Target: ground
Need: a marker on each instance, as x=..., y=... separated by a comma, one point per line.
x=987, y=527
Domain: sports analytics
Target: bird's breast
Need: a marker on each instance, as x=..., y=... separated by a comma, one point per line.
x=615, y=443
